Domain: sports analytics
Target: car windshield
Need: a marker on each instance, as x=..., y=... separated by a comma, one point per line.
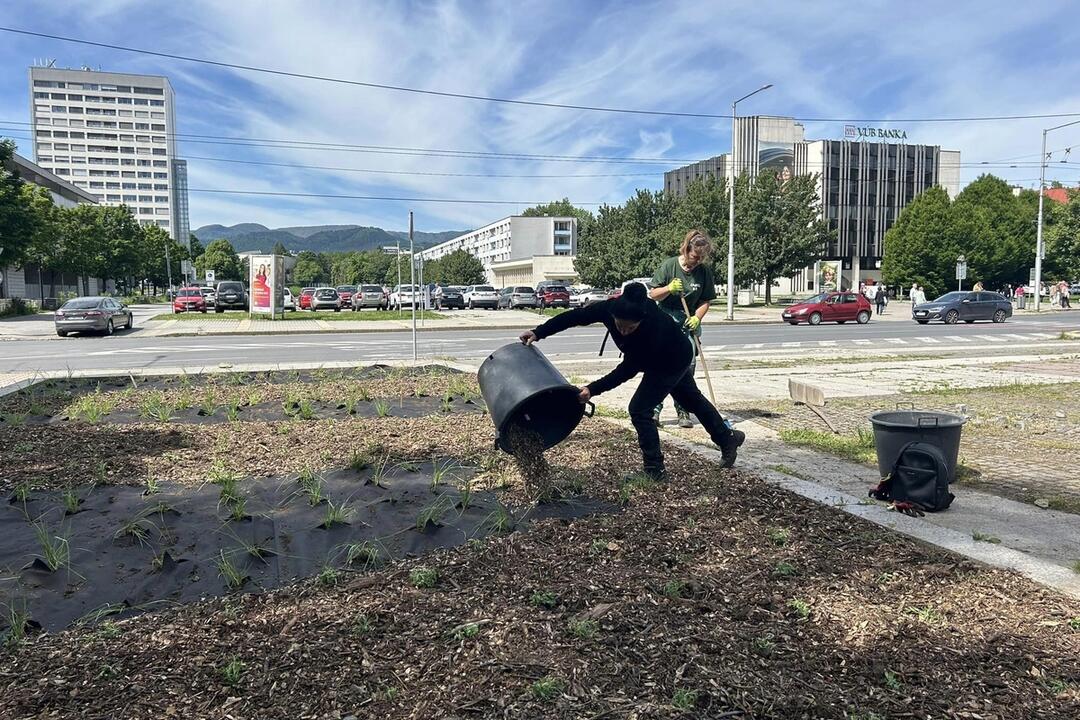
x=554, y=289
x=372, y=288
x=483, y=288
x=81, y=304
x=523, y=289
x=346, y=288
x=952, y=297
x=326, y=291
x=230, y=287
x=190, y=292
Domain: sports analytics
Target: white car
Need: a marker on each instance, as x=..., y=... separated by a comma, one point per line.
x=587, y=297
x=208, y=295
x=481, y=296
x=405, y=296
x=287, y=301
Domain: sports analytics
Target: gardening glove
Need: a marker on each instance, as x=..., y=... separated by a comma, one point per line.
x=675, y=287
x=692, y=323
x=908, y=508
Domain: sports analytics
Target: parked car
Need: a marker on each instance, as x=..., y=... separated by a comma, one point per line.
x=287, y=300
x=189, y=299
x=553, y=296
x=369, y=296
x=93, y=314
x=230, y=296
x=968, y=306
x=345, y=292
x=587, y=297
x=325, y=298
x=838, y=307
x=405, y=296
x=305, y=297
x=208, y=295
x=517, y=296
x=481, y=296
x=450, y=296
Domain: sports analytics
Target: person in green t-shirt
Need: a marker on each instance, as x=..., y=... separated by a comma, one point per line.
x=687, y=276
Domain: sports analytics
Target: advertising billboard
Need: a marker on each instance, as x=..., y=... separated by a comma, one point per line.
x=777, y=158
x=827, y=275
x=262, y=279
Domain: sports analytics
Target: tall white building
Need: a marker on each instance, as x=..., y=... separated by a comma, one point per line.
x=519, y=250
x=112, y=134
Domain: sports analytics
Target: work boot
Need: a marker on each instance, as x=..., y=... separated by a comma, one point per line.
x=730, y=449
x=684, y=420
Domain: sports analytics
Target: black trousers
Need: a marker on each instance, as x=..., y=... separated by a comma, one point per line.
x=680, y=385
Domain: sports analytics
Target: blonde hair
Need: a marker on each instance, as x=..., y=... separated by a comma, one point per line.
x=696, y=238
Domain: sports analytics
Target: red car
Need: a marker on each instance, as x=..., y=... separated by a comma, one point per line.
x=553, y=296
x=305, y=298
x=189, y=299
x=345, y=292
x=837, y=307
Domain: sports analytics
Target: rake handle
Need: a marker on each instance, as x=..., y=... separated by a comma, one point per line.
x=701, y=353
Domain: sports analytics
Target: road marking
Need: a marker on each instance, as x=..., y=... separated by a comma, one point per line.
x=863, y=341
x=753, y=346
x=957, y=338
x=791, y=344
x=1048, y=336
x=927, y=339
x=828, y=343
x=988, y=338
x=896, y=341
x=1013, y=336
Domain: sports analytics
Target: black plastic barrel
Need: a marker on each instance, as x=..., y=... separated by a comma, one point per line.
x=522, y=389
x=893, y=429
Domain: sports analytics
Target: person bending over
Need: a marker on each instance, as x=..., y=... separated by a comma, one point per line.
x=657, y=348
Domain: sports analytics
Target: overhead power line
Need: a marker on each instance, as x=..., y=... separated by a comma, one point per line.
x=509, y=101
x=466, y=201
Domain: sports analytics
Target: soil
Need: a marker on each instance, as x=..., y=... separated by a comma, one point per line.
x=715, y=595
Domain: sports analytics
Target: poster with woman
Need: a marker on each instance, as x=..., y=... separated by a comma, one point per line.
x=262, y=283
x=827, y=273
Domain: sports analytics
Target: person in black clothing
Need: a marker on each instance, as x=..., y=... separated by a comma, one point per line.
x=655, y=346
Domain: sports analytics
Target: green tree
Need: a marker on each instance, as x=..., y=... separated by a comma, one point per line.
x=627, y=241
x=222, y=259
x=17, y=219
x=195, y=247
x=308, y=269
x=561, y=208
x=1062, y=238
x=45, y=246
x=157, y=246
x=781, y=232
x=1005, y=248
x=704, y=206
x=280, y=249
x=457, y=268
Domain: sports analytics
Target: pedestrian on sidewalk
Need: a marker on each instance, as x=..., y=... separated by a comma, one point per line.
x=1063, y=291
x=653, y=345
x=1055, y=295
x=1021, y=297
x=881, y=300
x=912, y=293
x=685, y=277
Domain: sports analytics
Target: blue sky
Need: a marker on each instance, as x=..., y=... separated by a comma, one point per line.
x=880, y=60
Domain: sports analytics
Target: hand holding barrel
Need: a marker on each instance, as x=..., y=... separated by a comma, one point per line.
x=528, y=337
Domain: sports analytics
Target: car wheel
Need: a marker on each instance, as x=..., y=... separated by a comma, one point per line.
x=815, y=318
x=62, y=333
x=951, y=317
x=999, y=316
x=863, y=317
x=109, y=327
x=922, y=322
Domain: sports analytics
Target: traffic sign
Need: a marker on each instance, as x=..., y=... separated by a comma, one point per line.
x=961, y=271
x=209, y=276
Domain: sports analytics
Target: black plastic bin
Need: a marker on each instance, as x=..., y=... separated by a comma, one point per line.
x=893, y=429
x=522, y=388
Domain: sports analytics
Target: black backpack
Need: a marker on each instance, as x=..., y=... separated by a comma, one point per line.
x=919, y=480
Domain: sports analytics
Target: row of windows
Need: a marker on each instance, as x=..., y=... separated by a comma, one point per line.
x=61, y=110
x=130, y=174
x=101, y=149
x=79, y=134
x=97, y=99
x=60, y=84
x=76, y=122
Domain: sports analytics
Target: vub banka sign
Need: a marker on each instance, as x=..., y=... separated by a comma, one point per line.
x=863, y=133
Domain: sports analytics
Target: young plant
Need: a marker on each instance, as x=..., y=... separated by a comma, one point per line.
x=238, y=509
x=138, y=528
x=423, y=577
x=305, y=410
x=545, y=599
x=233, y=672
x=465, y=494
x=184, y=400
x=583, y=629
x=336, y=514
x=363, y=394
x=328, y=576
x=92, y=408
x=800, y=607
x=151, y=485
x=446, y=406
x=684, y=699
x=440, y=471
x=382, y=469
x=433, y=513
x=349, y=404
x=22, y=492
x=18, y=620
x=779, y=536
x=311, y=485
x=499, y=520
x=71, y=500
x=100, y=472
x=55, y=550
x=365, y=553
x=547, y=688
x=232, y=410
x=382, y=408
x=228, y=570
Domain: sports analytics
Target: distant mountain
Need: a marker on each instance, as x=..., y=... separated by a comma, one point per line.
x=317, y=238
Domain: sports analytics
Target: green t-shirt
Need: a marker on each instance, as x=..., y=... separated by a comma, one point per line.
x=698, y=285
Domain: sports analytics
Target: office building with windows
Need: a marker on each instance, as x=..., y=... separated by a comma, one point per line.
x=112, y=134
x=519, y=250
x=864, y=181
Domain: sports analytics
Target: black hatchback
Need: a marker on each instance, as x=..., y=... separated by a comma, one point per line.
x=953, y=307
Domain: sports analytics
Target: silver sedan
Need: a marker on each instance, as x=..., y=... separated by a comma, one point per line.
x=92, y=314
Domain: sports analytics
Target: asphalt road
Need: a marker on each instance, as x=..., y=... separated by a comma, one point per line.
x=120, y=351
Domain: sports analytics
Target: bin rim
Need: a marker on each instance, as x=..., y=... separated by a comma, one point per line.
x=888, y=419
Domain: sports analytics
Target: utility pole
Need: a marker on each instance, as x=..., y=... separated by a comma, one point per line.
x=412, y=281
x=168, y=266
x=397, y=261
x=1039, y=250
x=731, y=212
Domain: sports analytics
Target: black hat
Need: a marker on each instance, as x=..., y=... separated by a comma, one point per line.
x=631, y=305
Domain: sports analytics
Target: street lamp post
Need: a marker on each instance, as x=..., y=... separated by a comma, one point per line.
x=731, y=212
x=1039, y=232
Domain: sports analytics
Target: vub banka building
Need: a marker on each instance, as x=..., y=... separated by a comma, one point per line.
x=865, y=178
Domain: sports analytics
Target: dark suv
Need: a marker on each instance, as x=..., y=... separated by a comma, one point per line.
x=553, y=296
x=230, y=296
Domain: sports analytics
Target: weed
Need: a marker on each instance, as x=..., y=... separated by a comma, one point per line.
x=92, y=408
x=151, y=485
x=546, y=688
x=382, y=408
x=15, y=419
x=1074, y=623
x=138, y=528
x=465, y=494
x=1058, y=686
x=184, y=400
x=55, y=550
x=499, y=520
x=208, y=404
x=366, y=553
x=892, y=681
x=238, y=509
x=336, y=514
x=158, y=561
x=583, y=629
x=545, y=599
x=305, y=410
x=350, y=403
x=779, y=536
x=18, y=621
x=446, y=406
x=440, y=471
x=886, y=578
x=362, y=393
x=684, y=699
x=22, y=492
x=107, y=630
x=361, y=625
x=605, y=411
x=983, y=537
x=228, y=570
x=433, y=513
x=100, y=472
x=927, y=615
x=632, y=484
x=360, y=460
x=232, y=410
x=786, y=470
x=598, y=546
x=674, y=589
x=1076, y=567
x=423, y=577
x=847, y=447
x=764, y=644
x=800, y=607
x=232, y=672
x=311, y=485
x=784, y=569
x=466, y=632
x=328, y=576
x=155, y=407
